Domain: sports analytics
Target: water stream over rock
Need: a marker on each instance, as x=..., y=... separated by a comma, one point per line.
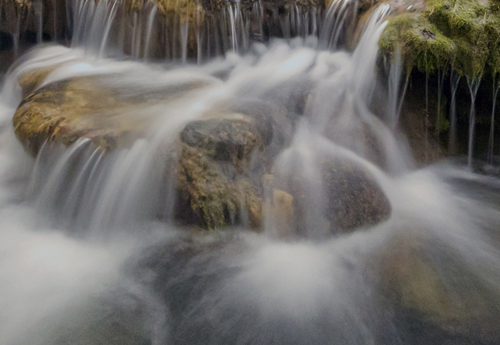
x=263, y=196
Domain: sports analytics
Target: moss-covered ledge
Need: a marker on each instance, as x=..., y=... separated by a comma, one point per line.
x=463, y=35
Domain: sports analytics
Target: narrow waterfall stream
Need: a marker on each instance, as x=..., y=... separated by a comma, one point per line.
x=93, y=250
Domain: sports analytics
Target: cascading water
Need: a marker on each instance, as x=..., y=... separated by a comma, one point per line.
x=91, y=252
x=491, y=141
x=454, y=82
x=473, y=84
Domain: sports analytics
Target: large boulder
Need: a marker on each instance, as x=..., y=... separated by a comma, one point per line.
x=354, y=197
x=67, y=110
x=218, y=161
x=219, y=158
x=342, y=198
x=86, y=107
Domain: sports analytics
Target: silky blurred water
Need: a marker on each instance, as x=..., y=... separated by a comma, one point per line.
x=84, y=258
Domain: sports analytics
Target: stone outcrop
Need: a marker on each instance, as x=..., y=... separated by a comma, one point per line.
x=222, y=159
x=441, y=41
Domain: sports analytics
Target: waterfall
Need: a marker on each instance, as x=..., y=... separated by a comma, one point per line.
x=149, y=29
x=441, y=75
x=454, y=82
x=16, y=35
x=473, y=84
x=155, y=120
x=38, y=9
x=340, y=18
x=491, y=141
x=396, y=94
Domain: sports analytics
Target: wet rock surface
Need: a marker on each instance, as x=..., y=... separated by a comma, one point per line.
x=86, y=107
x=343, y=197
x=216, y=180
x=220, y=160
x=68, y=110
x=354, y=197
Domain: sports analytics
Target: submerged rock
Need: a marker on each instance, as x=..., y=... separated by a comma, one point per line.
x=435, y=295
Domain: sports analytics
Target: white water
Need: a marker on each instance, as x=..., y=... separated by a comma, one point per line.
x=473, y=84
x=454, y=82
x=77, y=260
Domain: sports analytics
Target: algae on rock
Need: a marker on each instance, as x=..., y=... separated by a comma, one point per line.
x=462, y=34
x=215, y=186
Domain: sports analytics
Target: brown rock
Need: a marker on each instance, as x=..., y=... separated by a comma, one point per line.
x=215, y=181
x=352, y=199
x=85, y=107
x=355, y=199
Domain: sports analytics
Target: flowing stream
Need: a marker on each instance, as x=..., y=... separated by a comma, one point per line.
x=85, y=258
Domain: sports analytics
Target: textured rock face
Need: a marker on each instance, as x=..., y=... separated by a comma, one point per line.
x=350, y=199
x=85, y=107
x=67, y=110
x=217, y=184
x=354, y=197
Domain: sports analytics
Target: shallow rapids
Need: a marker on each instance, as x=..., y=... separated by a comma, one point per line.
x=90, y=252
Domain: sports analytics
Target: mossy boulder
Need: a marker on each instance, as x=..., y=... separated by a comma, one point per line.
x=85, y=107
x=463, y=35
x=32, y=79
x=219, y=178
x=219, y=174
x=68, y=110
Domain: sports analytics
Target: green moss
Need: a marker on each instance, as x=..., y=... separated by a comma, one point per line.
x=214, y=197
x=464, y=34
